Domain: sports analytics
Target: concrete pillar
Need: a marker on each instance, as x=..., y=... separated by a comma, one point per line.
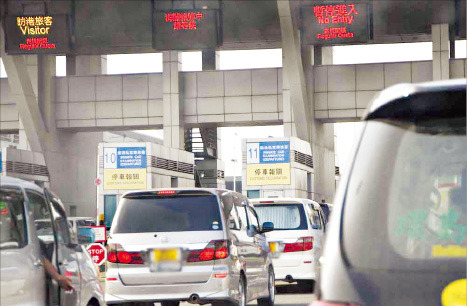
x=294, y=91
x=86, y=64
x=173, y=104
x=298, y=92
x=210, y=60
x=441, y=44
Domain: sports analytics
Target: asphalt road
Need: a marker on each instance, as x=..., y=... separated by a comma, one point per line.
x=287, y=295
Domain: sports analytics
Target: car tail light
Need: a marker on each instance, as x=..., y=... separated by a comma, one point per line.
x=206, y=254
x=222, y=253
x=216, y=249
x=323, y=303
x=116, y=254
x=302, y=244
x=166, y=192
x=112, y=257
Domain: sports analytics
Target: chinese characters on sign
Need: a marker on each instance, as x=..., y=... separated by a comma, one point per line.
x=268, y=163
x=125, y=168
x=184, y=21
x=335, y=15
x=35, y=25
x=186, y=30
x=37, y=34
x=336, y=23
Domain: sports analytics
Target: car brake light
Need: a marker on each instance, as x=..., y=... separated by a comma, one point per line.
x=116, y=254
x=266, y=202
x=302, y=244
x=216, y=249
x=206, y=254
x=220, y=275
x=124, y=257
x=111, y=278
x=112, y=257
x=222, y=253
x=166, y=192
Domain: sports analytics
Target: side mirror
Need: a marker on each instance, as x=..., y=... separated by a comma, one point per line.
x=251, y=231
x=267, y=227
x=86, y=235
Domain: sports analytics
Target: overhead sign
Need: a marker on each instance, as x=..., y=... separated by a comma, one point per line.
x=97, y=252
x=268, y=174
x=125, y=168
x=37, y=34
x=335, y=23
x=185, y=30
x=268, y=163
x=268, y=152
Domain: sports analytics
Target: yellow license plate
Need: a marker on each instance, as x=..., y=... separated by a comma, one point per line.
x=274, y=247
x=165, y=260
x=162, y=255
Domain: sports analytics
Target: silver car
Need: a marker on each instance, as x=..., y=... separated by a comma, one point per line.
x=228, y=259
x=33, y=227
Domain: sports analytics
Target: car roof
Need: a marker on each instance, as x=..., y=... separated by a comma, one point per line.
x=13, y=181
x=210, y=190
x=398, y=94
x=284, y=201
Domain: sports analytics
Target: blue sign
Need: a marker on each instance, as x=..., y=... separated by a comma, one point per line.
x=131, y=157
x=273, y=152
x=1, y=169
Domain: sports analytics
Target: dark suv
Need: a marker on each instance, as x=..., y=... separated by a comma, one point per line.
x=398, y=235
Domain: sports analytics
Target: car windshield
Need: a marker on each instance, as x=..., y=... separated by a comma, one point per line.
x=169, y=214
x=412, y=202
x=12, y=219
x=284, y=216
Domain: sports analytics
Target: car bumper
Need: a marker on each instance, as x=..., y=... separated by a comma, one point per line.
x=301, y=272
x=215, y=289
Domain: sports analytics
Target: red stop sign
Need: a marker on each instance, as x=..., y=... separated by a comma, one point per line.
x=97, y=252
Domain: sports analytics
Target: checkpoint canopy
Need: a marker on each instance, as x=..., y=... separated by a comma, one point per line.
x=277, y=167
x=128, y=166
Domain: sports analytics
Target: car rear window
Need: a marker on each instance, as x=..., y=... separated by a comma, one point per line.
x=406, y=196
x=284, y=216
x=169, y=214
x=12, y=218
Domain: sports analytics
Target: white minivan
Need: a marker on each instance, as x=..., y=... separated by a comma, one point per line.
x=297, y=238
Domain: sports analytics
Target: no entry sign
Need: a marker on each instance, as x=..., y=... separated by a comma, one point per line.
x=98, y=253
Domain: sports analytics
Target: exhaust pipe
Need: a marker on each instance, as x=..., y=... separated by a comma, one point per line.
x=194, y=299
x=289, y=279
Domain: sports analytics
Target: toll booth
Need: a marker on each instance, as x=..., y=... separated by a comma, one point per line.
x=124, y=167
x=26, y=165
x=277, y=167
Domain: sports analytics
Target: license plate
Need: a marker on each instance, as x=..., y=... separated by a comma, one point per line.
x=162, y=260
x=275, y=248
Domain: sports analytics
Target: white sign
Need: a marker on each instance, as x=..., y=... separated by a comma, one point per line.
x=110, y=158
x=252, y=153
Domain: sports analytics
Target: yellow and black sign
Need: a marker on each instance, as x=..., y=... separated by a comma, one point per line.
x=268, y=174
x=124, y=179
